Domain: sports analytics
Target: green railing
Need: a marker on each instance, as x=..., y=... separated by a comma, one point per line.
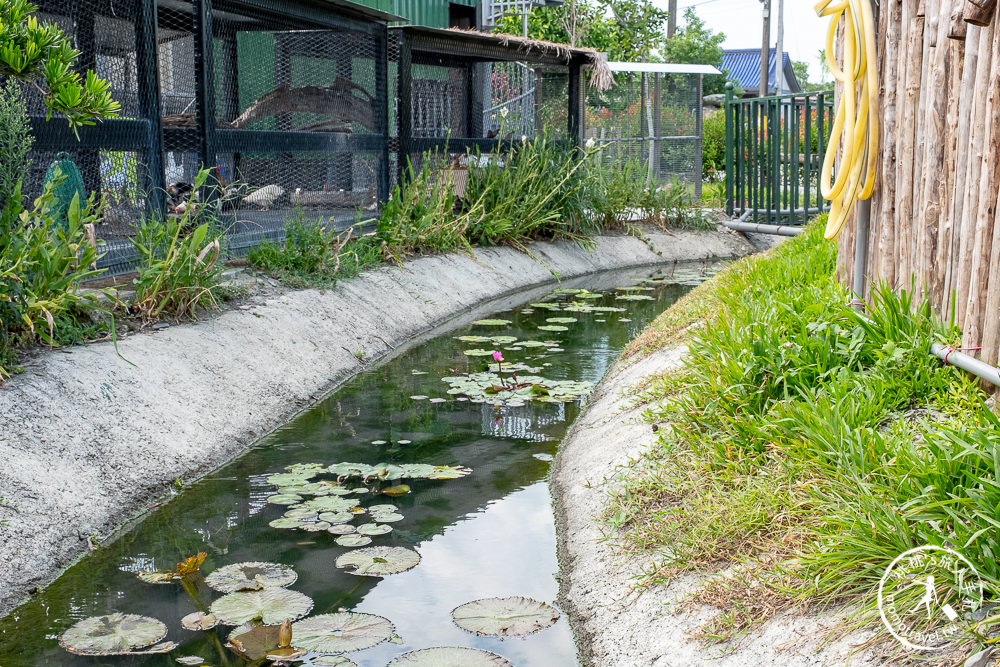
x=774, y=155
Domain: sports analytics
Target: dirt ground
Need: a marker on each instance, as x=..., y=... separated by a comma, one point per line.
x=89, y=440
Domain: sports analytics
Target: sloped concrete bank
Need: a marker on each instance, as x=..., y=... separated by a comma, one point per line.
x=87, y=440
x=616, y=626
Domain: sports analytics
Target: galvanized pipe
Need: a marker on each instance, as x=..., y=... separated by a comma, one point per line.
x=759, y=228
x=968, y=363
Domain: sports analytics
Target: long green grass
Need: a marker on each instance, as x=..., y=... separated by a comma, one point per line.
x=810, y=436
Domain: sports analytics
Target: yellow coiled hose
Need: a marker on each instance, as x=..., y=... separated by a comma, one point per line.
x=856, y=124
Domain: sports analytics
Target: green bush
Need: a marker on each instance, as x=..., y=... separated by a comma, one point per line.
x=15, y=146
x=308, y=257
x=179, y=269
x=713, y=146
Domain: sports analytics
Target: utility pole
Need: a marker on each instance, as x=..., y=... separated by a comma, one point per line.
x=765, y=49
x=779, y=68
x=672, y=19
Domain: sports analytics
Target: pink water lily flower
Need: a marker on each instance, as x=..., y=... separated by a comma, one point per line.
x=497, y=356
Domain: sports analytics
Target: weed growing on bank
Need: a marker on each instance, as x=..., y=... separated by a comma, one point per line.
x=808, y=442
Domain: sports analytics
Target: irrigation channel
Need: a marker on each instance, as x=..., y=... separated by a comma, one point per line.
x=489, y=533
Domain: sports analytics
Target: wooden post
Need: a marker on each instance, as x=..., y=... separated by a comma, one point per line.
x=912, y=59
x=979, y=12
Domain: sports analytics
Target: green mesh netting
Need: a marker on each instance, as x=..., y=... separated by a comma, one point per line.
x=68, y=183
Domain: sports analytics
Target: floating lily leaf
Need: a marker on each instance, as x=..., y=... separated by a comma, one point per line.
x=251, y=576
x=419, y=398
x=478, y=352
x=584, y=294
x=491, y=323
x=314, y=526
x=397, y=490
x=191, y=660
x=325, y=488
x=379, y=561
x=284, y=499
x=566, y=290
x=334, y=518
x=300, y=512
x=270, y=606
x=378, y=509
x=561, y=320
x=331, y=661
x=634, y=297
x=340, y=632
x=290, y=478
x=341, y=529
x=378, y=442
x=256, y=642
x=353, y=540
x=505, y=617
x=329, y=504
x=552, y=327
x=547, y=306
x=112, y=634
x=187, y=566
x=406, y=442
x=305, y=468
x=449, y=656
x=199, y=621
x=473, y=339
x=487, y=388
x=372, y=529
x=503, y=340
x=623, y=319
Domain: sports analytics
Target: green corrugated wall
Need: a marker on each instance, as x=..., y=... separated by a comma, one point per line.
x=432, y=13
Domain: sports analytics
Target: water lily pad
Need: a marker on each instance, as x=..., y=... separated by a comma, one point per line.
x=634, y=297
x=331, y=661
x=314, y=526
x=406, y=442
x=449, y=656
x=584, y=294
x=341, y=529
x=334, y=518
x=353, y=540
x=478, y=352
x=561, y=320
x=386, y=507
x=372, y=529
x=112, y=634
x=547, y=306
x=503, y=340
x=397, y=490
x=473, y=339
x=251, y=576
x=191, y=660
x=271, y=606
x=387, y=518
x=300, y=512
x=290, y=478
x=284, y=499
x=505, y=617
x=419, y=398
x=542, y=456
x=340, y=632
x=552, y=327
x=329, y=504
x=378, y=442
x=199, y=621
x=378, y=561
x=491, y=323
x=256, y=641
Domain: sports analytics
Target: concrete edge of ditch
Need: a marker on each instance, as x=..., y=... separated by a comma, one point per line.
x=618, y=626
x=89, y=441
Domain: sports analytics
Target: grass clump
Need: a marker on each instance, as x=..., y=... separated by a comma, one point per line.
x=308, y=257
x=809, y=442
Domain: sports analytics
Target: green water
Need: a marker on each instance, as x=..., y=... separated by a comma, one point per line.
x=488, y=534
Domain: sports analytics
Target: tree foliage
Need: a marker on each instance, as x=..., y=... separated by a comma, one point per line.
x=694, y=43
x=40, y=54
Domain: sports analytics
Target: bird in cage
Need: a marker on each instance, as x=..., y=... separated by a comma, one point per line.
x=264, y=197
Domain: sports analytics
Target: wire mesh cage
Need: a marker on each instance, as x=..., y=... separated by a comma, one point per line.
x=650, y=117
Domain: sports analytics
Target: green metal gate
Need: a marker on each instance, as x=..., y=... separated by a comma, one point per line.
x=774, y=154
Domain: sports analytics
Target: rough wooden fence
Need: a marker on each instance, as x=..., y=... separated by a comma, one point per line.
x=934, y=211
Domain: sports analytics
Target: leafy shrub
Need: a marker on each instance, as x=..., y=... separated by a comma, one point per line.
x=536, y=191
x=420, y=215
x=40, y=53
x=42, y=263
x=179, y=270
x=15, y=145
x=309, y=256
x=713, y=145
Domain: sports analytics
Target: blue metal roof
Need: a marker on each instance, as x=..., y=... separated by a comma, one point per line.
x=743, y=66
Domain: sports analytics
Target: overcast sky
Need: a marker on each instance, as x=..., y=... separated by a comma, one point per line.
x=740, y=20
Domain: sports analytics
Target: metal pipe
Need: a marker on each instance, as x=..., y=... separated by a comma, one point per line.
x=861, y=250
x=759, y=228
x=968, y=363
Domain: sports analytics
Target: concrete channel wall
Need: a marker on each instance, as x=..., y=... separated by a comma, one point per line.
x=88, y=441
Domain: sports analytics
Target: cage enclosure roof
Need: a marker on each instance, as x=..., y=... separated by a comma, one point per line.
x=475, y=45
x=344, y=8
x=662, y=68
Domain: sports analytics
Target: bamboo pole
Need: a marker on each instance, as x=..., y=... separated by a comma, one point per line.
x=913, y=62
x=974, y=157
x=884, y=206
x=989, y=177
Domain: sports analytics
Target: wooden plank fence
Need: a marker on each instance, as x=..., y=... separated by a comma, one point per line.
x=933, y=223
